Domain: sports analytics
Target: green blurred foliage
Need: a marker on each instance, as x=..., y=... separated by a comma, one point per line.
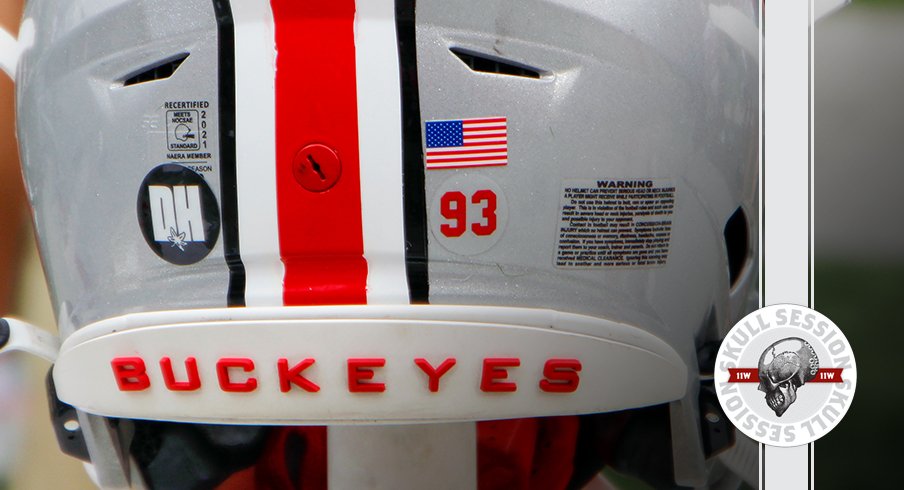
x=864, y=300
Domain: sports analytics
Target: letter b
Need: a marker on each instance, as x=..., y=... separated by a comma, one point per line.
x=130, y=373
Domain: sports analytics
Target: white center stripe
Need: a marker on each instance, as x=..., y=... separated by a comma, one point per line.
x=380, y=151
x=255, y=117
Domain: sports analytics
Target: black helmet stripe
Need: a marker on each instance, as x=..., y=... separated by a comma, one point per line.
x=228, y=185
x=415, y=200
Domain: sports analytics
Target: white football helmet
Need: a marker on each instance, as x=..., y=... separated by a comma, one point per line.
x=288, y=241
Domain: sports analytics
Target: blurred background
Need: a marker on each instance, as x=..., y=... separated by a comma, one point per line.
x=859, y=254
x=29, y=455
x=859, y=229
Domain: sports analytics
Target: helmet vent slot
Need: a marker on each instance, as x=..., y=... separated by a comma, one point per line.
x=158, y=71
x=497, y=66
x=736, y=244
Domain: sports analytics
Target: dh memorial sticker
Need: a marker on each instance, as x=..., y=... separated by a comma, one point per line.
x=178, y=214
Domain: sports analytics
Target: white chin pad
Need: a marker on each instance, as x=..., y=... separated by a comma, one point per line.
x=363, y=364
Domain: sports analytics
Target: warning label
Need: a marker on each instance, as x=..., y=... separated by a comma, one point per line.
x=615, y=223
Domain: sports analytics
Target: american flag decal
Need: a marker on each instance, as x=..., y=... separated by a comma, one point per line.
x=479, y=142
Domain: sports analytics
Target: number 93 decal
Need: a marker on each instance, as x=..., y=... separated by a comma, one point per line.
x=468, y=214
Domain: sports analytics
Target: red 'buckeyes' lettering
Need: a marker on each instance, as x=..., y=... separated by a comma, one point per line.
x=240, y=374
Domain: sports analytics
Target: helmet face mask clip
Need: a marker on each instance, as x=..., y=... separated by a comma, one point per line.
x=284, y=233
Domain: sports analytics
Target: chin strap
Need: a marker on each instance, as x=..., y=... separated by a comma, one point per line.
x=11, y=49
x=16, y=335
x=9, y=53
x=78, y=433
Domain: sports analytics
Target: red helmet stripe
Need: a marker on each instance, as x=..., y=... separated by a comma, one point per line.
x=320, y=235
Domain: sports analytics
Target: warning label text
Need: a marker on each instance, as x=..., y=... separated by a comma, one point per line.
x=615, y=223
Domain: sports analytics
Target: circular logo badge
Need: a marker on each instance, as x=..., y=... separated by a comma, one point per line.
x=468, y=215
x=178, y=214
x=785, y=375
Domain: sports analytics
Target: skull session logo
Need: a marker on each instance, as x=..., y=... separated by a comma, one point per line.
x=782, y=373
x=178, y=214
x=785, y=375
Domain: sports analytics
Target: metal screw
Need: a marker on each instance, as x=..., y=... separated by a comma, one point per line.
x=317, y=167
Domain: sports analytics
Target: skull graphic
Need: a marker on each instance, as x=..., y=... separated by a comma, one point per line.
x=784, y=367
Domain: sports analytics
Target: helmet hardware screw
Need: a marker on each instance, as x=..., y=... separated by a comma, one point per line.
x=316, y=167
